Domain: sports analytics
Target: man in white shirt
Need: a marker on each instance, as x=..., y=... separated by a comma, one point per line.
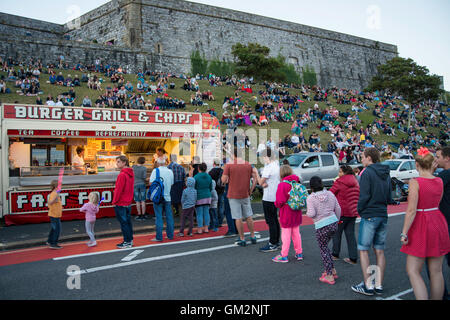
x=295, y=140
x=59, y=103
x=269, y=180
x=50, y=102
x=261, y=148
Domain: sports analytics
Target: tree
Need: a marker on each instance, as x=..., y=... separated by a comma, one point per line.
x=309, y=76
x=220, y=68
x=406, y=78
x=254, y=61
x=289, y=72
x=199, y=64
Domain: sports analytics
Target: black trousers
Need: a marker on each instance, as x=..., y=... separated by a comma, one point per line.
x=347, y=225
x=271, y=217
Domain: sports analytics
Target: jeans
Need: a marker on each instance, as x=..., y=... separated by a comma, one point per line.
x=230, y=221
x=220, y=209
x=214, y=221
x=55, y=230
x=347, y=225
x=271, y=217
x=166, y=207
x=202, y=215
x=123, y=214
x=372, y=232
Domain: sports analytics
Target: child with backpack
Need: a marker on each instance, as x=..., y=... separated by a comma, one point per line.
x=324, y=209
x=290, y=197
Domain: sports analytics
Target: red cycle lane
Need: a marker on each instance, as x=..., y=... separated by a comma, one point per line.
x=109, y=244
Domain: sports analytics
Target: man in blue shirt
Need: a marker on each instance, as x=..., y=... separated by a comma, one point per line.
x=167, y=177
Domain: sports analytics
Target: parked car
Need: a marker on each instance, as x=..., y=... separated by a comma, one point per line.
x=438, y=170
x=402, y=169
x=308, y=164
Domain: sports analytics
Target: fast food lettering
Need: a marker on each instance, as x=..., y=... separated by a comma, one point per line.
x=77, y=199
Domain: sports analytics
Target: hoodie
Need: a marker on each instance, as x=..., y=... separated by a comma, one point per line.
x=124, y=190
x=375, y=191
x=189, y=196
x=288, y=218
x=346, y=190
x=323, y=208
x=214, y=196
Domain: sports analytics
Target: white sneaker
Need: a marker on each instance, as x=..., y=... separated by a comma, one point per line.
x=92, y=244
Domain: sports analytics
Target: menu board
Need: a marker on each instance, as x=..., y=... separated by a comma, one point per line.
x=96, y=145
x=209, y=150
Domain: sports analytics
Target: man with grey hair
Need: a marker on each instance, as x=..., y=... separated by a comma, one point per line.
x=166, y=176
x=179, y=175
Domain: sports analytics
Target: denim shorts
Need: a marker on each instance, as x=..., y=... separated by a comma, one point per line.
x=372, y=232
x=139, y=192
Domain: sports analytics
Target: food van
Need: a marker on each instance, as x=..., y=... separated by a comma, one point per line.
x=37, y=142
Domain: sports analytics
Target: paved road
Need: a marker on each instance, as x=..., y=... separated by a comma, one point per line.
x=194, y=269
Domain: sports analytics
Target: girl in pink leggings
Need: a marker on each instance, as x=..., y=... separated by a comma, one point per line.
x=290, y=220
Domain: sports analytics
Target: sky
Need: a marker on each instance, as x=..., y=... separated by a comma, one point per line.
x=419, y=28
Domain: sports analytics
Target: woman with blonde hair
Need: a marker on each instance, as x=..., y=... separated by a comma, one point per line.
x=425, y=235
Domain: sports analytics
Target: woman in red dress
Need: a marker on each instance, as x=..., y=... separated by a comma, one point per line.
x=425, y=233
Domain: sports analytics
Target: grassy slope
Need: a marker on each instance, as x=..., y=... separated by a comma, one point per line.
x=219, y=94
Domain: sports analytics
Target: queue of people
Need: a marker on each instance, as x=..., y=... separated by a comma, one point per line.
x=424, y=237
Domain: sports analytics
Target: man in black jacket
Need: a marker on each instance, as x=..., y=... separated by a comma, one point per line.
x=216, y=175
x=375, y=195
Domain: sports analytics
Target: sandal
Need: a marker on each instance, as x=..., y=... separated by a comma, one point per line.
x=323, y=279
x=350, y=261
x=335, y=276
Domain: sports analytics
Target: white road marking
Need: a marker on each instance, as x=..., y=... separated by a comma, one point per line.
x=257, y=235
x=396, y=297
x=132, y=255
x=146, y=246
x=175, y=255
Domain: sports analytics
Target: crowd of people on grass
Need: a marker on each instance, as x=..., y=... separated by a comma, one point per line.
x=273, y=104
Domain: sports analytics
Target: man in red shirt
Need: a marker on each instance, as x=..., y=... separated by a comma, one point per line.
x=238, y=174
x=122, y=199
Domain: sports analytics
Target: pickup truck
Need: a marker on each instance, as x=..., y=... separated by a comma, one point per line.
x=308, y=164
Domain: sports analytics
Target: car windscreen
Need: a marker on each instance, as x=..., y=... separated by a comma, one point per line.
x=393, y=165
x=296, y=159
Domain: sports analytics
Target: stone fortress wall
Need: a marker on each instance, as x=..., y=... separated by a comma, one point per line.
x=161, y=35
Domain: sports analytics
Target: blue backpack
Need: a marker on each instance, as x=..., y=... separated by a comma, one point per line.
x=156, y=191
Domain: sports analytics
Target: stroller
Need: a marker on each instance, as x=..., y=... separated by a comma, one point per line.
x=399, y=190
